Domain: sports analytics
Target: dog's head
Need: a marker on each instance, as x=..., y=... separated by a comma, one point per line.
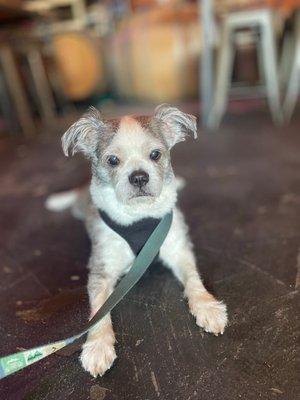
x=131, y=154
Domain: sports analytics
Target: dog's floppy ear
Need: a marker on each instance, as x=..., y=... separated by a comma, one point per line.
x=83, y=136
x=176, y=125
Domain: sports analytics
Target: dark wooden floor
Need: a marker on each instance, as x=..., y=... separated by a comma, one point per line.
x=242, y=202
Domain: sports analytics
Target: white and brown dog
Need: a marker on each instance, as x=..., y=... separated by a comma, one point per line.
x=132, y=179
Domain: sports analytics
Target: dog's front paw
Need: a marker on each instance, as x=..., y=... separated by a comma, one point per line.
x=210, y=314
x=97, y=356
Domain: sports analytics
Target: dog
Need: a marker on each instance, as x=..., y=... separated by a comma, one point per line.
x=132, y=180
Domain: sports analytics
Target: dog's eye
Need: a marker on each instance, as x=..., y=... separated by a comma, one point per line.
x=155, y=155
x=113, y=161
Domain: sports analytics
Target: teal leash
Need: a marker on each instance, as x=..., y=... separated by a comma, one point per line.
x=17, y=361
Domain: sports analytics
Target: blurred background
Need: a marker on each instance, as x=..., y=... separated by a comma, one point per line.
x=59, y=56
x=235, y=64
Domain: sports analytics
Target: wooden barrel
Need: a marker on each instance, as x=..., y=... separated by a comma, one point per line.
x=155, y=55
x=78, y=59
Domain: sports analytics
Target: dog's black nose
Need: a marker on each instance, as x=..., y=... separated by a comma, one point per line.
x=139, y=178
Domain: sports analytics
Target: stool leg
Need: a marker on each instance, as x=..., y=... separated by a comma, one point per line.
x=294, y=79
x=269, y=60
x=292, y=88
x=41, y=83
x=207, y=64
x=223, y=78
x=16, y=91
x=6, y=107
x=286, y=58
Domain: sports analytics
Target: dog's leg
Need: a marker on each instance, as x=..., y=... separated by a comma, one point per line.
x=111, y=257
x=177, y=254
x=98, y=353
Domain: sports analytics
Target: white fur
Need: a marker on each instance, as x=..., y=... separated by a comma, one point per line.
x=132, y=145
x=61, y=201
x=126, y=214
x=111, y=255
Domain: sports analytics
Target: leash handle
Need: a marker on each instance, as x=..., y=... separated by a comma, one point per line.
x=17, y=361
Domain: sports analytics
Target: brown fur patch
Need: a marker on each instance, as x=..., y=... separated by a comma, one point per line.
x=206, y=297
x=114, y=124
x=129, y=124
x=143, y=120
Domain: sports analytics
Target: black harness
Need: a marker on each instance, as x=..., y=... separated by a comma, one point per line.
x=136, y=234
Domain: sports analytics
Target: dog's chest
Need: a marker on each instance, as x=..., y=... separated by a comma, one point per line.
x=136, y=234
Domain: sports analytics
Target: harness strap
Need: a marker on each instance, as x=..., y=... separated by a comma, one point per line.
x=135, y=234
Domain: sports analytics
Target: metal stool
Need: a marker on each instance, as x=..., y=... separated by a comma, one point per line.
x=259, y=24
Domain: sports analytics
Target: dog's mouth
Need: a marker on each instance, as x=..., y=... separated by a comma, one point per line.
x=141, y=193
